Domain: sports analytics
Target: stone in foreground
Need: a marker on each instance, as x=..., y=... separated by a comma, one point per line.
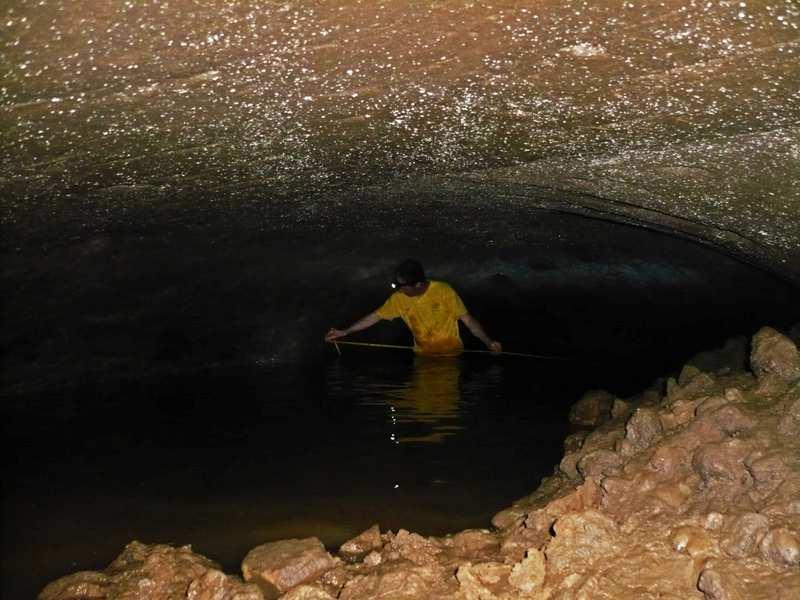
x=285, y=564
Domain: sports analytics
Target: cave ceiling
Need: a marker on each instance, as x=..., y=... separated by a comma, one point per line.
x=681, y=116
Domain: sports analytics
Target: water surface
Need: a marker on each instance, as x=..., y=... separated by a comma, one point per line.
x=227, y=459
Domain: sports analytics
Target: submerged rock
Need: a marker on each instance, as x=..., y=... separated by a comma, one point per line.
x=694, y=495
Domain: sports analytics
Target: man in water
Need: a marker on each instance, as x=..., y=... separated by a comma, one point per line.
x=431, y=309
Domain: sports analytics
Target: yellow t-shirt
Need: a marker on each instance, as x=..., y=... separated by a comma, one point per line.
x=431, y=317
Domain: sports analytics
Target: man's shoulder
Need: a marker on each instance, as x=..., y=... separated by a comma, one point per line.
x=441, y=286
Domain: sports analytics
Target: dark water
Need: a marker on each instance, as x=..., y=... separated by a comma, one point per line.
x=228, y=459
x=171, y=385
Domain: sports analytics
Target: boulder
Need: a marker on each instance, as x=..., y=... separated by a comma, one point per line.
x=474, y=542
x=215, y=585
x=772, y=469
x=83, y=585
x=722, y=461
x=153, y=572
x=285, y=564
x=716, y=586
x=574, y=441
x=361, y=545
x=402, y=580
x=414, y=548
x=593, y=409
x=732, y=420
x=581, y=538
x=781, y=547
x=599, y=463
x=774, y=354
x=643, y=428
x=670, y=460
x=789, y=424
x=744, y=535
x=528, y=574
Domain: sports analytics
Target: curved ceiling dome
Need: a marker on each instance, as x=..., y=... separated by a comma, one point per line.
x=678, y=115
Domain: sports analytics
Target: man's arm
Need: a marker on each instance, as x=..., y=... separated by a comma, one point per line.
x=359, y=325
x=477, y=330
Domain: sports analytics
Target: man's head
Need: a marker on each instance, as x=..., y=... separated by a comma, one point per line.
x=409, y=277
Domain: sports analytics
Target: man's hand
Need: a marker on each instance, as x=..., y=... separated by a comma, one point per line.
x=494, y=347
x=334, y=334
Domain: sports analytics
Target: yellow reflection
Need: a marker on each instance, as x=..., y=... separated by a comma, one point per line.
x=431, y=397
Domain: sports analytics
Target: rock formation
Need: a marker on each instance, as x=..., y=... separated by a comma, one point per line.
x=688, y=490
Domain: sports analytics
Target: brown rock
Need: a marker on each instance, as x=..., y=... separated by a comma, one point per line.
x=620, y=409
x=593, y=409
x=574, y=441
x=599, y=463
x=691, y=540
x=789, y=424
x=414, y=548
x=745, y=534
x=403, y=581
x=285, y=564
x=516, y=544
x=569, y=465
x=334, y=580
x=361, y=545
x=715, y=586
x=688, y=372
x=709, y=404
x=680, y=412
x=153, y=572
x=772, y=469
x=670, y=460
x=160, y=558
x=307, y=592
x=157, y=571
x=776, y=354
x=732, y=420
x=581, y=538
x=483, y=581
x=734, y=395
x=84, y=585
x=528, y=574
x=700, y=384
x=722, y=461
x=473, y=542
x=781, y=547
x=215, y=585
x=643, y=428
x=703, y=430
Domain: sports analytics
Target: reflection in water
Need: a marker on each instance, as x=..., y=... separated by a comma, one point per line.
x=431, y=399
x=417, y=402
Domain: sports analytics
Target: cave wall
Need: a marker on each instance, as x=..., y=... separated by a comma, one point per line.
x=676, y=115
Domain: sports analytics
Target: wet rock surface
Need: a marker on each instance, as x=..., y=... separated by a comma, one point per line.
x=153, y=571
x=705, y=506
x=280, y=566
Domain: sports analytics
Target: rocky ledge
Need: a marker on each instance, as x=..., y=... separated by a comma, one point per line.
x=691, y=489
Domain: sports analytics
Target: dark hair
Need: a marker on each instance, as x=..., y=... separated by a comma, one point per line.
x=409, y=272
